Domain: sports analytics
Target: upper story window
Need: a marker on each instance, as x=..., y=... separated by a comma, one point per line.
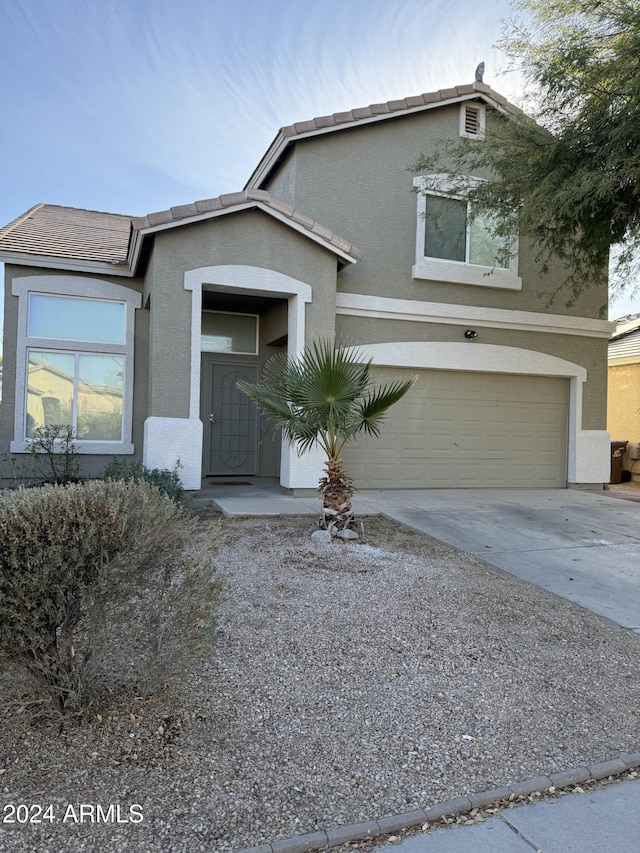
x=451, y=233
x=454, y=246
x=75, y=361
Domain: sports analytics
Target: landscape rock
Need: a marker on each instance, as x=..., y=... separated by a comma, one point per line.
x=321, y=536
x=347, y=534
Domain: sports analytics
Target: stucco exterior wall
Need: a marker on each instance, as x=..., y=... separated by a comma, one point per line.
x=248, y=238
x=283, y=183
x=623, y=403
x=357, y=181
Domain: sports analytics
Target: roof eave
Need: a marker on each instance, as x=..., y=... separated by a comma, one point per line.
x=74, y=264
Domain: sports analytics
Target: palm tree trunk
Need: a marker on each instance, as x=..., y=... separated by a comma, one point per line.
x=336, y=488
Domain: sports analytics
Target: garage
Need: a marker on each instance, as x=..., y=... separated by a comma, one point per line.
x=467, y=430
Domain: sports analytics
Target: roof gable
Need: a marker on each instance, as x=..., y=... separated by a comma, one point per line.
x=373, y=113
x=234, y=202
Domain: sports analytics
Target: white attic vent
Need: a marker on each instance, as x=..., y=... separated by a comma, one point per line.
x=472, y=120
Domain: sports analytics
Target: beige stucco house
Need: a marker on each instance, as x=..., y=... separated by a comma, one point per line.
x=623, y=401
x=159, y=316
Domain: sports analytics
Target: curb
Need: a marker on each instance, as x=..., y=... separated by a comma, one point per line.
x=326, y=839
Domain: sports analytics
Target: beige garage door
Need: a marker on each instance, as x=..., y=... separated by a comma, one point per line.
x=468, y=430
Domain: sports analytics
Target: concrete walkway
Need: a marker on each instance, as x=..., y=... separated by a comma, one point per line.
x=584, y=546
x=605, y=820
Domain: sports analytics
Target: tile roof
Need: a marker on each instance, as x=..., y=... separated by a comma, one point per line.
x=387, y=108
x=54, y=231
x=241, y=200
x=372, y=113
x=625, y=344
x=72, y=234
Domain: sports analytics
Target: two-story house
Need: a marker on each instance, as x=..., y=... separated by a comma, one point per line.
x=144, y=325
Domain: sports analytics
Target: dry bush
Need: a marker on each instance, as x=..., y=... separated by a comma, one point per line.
x=103, y=585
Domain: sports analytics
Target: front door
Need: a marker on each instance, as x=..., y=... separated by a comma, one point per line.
x=231, y=422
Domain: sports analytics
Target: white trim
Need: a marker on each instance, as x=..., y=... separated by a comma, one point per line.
x=91, y=288
x=386, y=308
x=26, y=259
x=623, y=360
x=588, y=450
x=456, y=272
x=257, y=281
x=486, y=358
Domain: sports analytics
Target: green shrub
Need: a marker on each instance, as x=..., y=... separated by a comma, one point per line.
x=52, y=457
x=166, y=481
x=103, y=585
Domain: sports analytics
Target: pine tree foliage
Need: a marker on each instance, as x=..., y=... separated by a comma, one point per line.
x=568, y=182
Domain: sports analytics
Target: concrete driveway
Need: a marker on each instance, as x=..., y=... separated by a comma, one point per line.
x=584, y=546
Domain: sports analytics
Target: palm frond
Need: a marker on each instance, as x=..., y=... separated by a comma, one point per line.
x=324, y=397
x=374, y=407
x=329, y=377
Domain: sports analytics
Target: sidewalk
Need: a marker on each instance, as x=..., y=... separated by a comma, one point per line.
x=605, y=820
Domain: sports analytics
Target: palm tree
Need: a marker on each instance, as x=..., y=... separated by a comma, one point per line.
x=326, y=397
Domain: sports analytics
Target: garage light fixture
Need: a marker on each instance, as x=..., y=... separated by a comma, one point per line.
x=470, y=334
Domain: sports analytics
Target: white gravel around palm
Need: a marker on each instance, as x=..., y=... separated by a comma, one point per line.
x=349, y=681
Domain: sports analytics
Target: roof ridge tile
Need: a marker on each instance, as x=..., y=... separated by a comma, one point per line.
x=208, y=205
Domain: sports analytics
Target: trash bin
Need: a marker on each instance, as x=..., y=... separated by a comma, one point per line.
x=617, y=459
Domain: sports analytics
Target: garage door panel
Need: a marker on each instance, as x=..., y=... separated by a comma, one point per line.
x=467, y=430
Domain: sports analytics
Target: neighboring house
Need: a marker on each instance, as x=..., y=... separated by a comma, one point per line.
x=623, y=402
x=160, y=315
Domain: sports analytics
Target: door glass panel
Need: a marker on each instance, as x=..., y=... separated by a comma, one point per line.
x=75, y=319
x=233, y=333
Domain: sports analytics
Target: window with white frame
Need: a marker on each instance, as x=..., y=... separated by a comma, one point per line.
x=454, y=246
x=75, y=361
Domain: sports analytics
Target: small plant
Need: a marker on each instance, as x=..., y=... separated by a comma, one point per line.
x=54, y=453
x=166, y=481
x=103, y=586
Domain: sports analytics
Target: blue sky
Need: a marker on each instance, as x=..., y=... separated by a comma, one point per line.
x=133, y=106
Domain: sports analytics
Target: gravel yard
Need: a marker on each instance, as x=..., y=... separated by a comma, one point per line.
x=349, y=681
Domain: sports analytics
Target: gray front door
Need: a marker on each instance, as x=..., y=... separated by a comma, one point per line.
x=232, y=421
